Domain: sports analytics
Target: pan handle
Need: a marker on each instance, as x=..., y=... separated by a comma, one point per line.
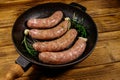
x=25, y=64
x=18, y=68
x=78, y=6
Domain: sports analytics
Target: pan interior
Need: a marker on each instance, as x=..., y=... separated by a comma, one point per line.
x=45, y=10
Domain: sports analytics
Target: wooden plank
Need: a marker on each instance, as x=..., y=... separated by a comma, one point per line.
x=104, y=18
x=100, y=72
x=8, y=55
x=114, y=47
x=107, y=24
x=7, y=18
x=28, y=2
x=11, y=1
x=9, y=15
x=103, y=8
x=108, y=35
x=7, y=52
x=104, y=12
x=102, y=4
x=5, y=36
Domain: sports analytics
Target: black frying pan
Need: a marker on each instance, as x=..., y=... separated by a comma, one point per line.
x=45, y=10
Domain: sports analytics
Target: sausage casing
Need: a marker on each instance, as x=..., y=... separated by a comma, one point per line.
x=64, y=56
x=48, y=22
x=52, y=33
x=58, y=44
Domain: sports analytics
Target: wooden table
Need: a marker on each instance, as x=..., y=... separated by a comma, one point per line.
x=102, y=64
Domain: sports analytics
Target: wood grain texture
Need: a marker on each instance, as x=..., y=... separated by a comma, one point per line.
x=108, y=72
x=102, y=64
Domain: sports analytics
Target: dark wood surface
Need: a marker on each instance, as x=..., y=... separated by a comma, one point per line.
x=102, y=64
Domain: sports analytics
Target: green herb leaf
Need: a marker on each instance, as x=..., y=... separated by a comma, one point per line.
x=29, y=47
x=78, y=25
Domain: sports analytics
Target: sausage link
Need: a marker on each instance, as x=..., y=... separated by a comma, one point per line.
x=56, y=45
x=49, y=34
x=64, y=56
x=48, y=22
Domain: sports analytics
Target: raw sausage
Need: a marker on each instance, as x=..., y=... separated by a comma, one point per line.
x=64, y=56
x=49, y=34
x=58, y=44
x=49, y=22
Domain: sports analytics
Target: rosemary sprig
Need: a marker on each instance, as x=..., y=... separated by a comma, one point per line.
x=78, y=25
x=29, y=47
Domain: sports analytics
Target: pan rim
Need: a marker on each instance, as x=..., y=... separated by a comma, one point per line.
x=54, y=65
